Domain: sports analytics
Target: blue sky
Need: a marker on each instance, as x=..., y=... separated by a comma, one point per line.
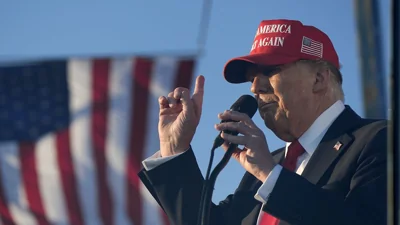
x=93, y=28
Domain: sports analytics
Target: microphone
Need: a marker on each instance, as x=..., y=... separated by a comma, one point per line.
x=245, y=104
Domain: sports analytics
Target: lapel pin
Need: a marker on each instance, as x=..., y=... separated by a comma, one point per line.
x=337, y=146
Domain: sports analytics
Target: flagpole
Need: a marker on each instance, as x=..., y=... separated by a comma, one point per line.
x=203, y=27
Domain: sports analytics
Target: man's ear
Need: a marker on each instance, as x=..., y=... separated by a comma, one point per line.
x=321, y=80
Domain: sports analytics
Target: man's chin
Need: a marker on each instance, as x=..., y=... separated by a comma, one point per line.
x=270, y=124
x=278, y=129
x=269, y=118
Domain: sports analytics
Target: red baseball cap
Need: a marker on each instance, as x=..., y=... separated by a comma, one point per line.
x=279, y=42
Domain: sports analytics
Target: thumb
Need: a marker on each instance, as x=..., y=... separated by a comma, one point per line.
x=198, y=94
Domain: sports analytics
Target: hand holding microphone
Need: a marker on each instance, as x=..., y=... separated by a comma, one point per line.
x=255, y=156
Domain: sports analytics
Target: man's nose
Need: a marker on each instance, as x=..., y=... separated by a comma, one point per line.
x=260, y=85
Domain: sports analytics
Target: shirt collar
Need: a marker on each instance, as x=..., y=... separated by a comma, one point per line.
x=314, y=134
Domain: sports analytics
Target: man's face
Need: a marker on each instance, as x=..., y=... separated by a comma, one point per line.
x=284, y=96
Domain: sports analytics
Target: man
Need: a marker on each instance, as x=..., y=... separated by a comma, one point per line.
x=333, y=168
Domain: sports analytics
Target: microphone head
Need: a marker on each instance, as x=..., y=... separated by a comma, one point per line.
x=246, y=104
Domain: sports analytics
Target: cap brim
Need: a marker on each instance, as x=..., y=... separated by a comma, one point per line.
x=236, y=68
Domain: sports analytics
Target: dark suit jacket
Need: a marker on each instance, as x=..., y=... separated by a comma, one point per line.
x=344, y=186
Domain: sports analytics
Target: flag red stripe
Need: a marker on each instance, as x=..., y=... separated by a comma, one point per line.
x=100, y=78
x=142, y=70
x=185, y=73
x=67, y=175
x=30, y=182
x=5, y=215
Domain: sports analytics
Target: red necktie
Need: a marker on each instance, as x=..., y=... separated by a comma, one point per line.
x=294, y=151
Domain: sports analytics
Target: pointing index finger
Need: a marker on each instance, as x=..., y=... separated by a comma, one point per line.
x=199, y=86
x=198, y=94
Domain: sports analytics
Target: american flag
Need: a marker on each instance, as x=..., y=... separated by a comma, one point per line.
x=311, y=47
x=73, y=134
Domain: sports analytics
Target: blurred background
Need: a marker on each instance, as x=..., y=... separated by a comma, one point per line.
x=181, y=39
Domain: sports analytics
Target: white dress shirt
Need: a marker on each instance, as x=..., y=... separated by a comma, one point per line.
x=309, y=140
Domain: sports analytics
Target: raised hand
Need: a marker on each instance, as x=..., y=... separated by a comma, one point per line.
x=178, y=119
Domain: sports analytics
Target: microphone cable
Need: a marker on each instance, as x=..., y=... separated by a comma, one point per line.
x=209, y=183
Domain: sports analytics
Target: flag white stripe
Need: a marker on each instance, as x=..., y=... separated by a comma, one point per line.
x=312, y=51
x=80, y=88
x=13, y=188
x=49, y=180
x=162, y=81
x=312, y=48
x=117, y=143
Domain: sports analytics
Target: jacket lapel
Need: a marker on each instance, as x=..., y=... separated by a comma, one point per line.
x=335, y=142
